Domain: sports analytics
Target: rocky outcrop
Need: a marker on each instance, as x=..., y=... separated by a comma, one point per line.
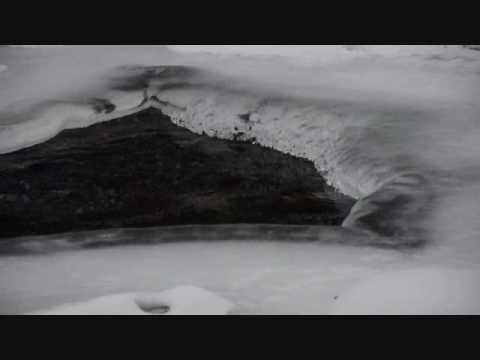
x=142, y=170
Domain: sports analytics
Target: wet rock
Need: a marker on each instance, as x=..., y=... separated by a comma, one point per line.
x=8, y=197
x=142, y=170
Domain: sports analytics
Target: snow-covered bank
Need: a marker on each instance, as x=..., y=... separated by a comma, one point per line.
x=336, y=54
x=37, y=123
x=429, y=291
x=185, y=300
x=258, y=277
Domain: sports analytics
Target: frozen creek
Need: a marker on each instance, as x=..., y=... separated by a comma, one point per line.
x=408, y=115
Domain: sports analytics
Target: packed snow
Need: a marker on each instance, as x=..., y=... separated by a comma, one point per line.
x=185, y=300
x=257, y=277
x=429, y=291
x=333, y=54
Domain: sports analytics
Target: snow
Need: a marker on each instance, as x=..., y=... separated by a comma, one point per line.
x=39, y=123
x=334, y=54
x=429, y=291
x=265, y=278
x=185, y=300
x=35, y=46
x=365, y=113
x=258, y=277
x=3, y=67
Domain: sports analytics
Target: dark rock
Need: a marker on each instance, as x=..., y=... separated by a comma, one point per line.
x=245, y=117
x=142, y=170
x=103, y=106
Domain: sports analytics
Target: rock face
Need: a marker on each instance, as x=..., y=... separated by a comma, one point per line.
x=142, y=170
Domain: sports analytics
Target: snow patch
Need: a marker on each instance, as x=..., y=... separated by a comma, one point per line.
x=429, y=291
x=37, y=46
x=186, y=300
x=38, y=123
x=335, y=54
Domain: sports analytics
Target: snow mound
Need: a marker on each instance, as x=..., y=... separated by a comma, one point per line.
x=186, y=300
x=432, y=291
x=335, y=54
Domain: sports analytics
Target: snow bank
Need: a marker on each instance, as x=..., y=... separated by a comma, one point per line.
x=430, y=291
x=299, y=53
x=264, y=278
x=186, y=300
x=38, y=123
x=335, y=54
x=34, y=46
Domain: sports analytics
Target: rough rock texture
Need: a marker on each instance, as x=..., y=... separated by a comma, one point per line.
x=142, y=170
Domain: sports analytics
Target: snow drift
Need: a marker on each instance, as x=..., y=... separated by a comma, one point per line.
x=185, y=300
x=428, y=291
